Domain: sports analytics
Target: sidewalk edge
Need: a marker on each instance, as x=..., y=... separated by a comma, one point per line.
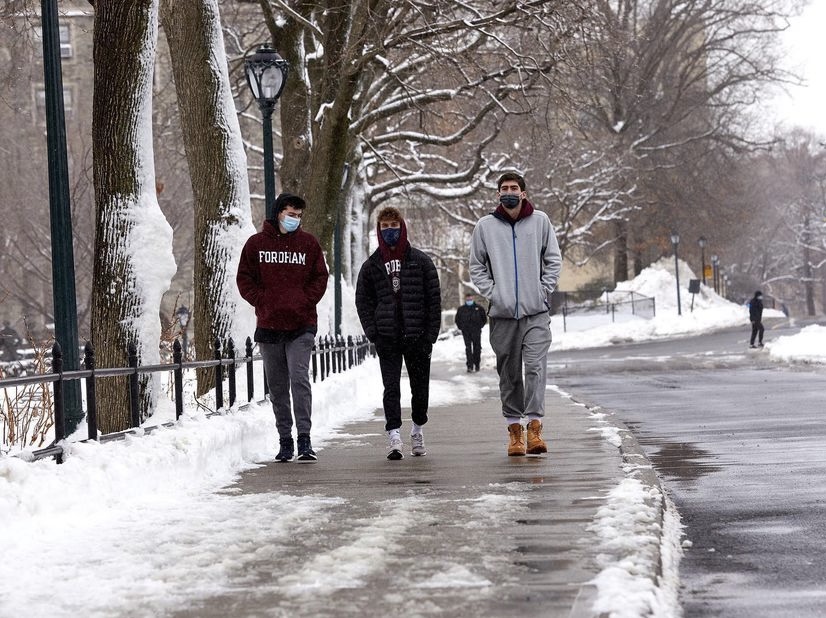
x=637, y=465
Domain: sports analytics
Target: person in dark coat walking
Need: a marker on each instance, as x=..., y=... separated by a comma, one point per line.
x=399, y=305
x=470, y=318
x=283, y=275
x=756, y=318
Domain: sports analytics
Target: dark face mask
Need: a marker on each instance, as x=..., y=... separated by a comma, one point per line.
x=508, y=200
x=391, y=235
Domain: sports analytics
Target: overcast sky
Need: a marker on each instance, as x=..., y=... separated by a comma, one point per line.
x=806, y=44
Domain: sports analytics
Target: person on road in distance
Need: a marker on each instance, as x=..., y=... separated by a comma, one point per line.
x=283, y=275
x=515, y=264
x=470, y=318
x=399, y=305
x=756, y=319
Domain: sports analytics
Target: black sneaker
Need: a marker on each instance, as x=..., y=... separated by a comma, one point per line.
x=286, y=451
x=305, y=449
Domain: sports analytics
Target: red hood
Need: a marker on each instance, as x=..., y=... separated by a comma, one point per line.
x=502, y=212
x=393, y=253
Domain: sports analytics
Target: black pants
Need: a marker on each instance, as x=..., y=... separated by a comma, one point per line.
x=756, y=331
x=473, y=347
x=416, y=356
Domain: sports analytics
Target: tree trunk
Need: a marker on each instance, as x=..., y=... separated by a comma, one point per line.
x=217, y=168
x=133, y=242
x=313, y=165
x=621, y=252
x=808, y=275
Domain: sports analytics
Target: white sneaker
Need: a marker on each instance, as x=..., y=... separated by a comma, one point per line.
x=394, y=445
x=417, y=445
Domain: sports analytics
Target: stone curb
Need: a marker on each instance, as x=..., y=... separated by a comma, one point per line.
x=638, y=466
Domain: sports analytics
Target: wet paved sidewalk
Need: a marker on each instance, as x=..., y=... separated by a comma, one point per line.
x=464, y=531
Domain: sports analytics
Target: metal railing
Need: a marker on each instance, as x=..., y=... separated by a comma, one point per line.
x=631, y=303
x=330, y=355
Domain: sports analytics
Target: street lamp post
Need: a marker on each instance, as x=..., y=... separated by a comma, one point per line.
x=266, y=75
x=675, y=240
x=715, y=262
x=60, y=217
x=702, y=242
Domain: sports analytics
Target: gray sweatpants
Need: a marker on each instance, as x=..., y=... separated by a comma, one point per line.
x=287, y=367
x=517, y=342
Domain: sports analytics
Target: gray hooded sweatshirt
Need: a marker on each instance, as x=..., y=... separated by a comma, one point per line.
x=515, y=264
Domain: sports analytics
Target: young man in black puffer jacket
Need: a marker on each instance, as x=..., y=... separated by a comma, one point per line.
x=400, y=308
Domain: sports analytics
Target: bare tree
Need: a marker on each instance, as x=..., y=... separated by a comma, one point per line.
x=409, y=94
x=217, y=167
x=657, y=76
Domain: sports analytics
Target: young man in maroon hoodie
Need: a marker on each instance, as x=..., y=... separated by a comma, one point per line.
x=283, y=275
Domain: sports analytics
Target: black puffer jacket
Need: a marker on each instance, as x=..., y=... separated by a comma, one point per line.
x=470, y=318
x=421, y=300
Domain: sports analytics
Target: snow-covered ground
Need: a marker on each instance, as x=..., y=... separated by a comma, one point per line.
x=103, y=514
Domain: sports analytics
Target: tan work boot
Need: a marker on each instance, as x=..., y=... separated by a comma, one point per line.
x=516, y=447
x=536, y=445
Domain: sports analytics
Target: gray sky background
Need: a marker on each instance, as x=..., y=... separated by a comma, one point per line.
x=805, y=41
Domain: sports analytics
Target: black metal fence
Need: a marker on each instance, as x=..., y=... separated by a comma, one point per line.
x=571, y=304
x=330, y=355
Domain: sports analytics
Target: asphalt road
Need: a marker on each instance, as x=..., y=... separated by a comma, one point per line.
x=739, y=442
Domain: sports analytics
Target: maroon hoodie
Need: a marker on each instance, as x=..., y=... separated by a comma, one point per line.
x=284, y=277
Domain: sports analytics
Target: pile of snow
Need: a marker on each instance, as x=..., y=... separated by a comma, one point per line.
x=710, y=312
x=807, y=346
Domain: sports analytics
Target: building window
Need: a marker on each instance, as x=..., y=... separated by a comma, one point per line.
x=40, y=103
x=65, y=40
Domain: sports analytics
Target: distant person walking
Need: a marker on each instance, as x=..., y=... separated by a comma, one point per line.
x=756, y=318
x=470, y=318
x=515, y=263
x=283, y=275
x=9, y=340
x=399, y=305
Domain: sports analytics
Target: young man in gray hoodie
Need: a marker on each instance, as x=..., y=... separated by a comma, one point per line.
x=515, y=264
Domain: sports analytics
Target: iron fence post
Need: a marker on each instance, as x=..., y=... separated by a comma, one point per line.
x=314, y=360
x=250, y=375
x=178, y=359
x=59, y=410
x=134, y=387
x=231, y=371
x=91, y=399
x=219, y=377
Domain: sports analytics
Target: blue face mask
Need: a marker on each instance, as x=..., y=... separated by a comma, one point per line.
x=391, y=235
x=508, y=200
x=469, y=303
x=290, y=224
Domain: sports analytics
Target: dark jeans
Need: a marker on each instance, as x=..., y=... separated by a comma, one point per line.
x=473, y=347
x=416, y=356
x=756, y=331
